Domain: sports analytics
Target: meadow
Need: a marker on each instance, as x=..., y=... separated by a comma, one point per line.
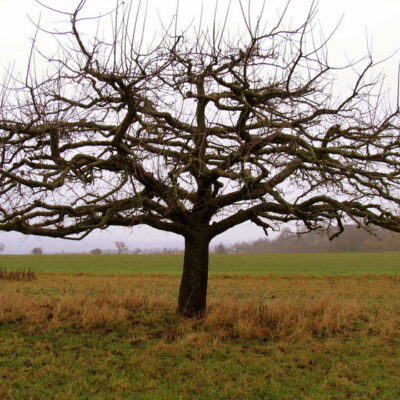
x=253, y=264
x=281, y=327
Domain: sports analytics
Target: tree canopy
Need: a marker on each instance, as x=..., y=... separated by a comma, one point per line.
x=194, y=135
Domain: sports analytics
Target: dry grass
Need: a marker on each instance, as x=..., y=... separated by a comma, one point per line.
x=77, y=310
x=25, y=275
x=277, y=307
x=290, y=318
x=263, y=337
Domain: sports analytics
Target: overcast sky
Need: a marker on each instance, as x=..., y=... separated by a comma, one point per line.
x=364, y=22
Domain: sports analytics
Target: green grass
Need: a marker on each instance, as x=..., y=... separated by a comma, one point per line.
x=154, y=355
x=253, y=264
x=68, y=365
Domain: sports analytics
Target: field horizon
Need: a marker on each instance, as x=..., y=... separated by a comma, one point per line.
x=387, y=263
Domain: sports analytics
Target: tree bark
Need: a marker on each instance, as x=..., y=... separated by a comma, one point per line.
x=193, y=288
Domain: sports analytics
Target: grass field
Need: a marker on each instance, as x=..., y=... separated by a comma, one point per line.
x=303, y=331
x=253, y=264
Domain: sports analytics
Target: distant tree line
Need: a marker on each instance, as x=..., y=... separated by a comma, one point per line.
x=353, y=239
x=122, y=248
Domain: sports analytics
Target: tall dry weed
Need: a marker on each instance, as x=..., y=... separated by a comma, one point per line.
x=294, y=317
x=25, y=275
x=78, y=310
x=13, y=306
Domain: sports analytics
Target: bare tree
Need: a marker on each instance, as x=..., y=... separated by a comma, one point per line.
x=2, y=247
x=121, y=247
x=195, y=135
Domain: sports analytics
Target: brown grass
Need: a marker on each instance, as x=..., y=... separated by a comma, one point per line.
x=77, y=310
x=292, y=317
x=25, y=275
x=251, y=307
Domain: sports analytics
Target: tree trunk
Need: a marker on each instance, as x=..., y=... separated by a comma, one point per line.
x=193, y=289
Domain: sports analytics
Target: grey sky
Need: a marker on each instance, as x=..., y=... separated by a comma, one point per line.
x=364, y=22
